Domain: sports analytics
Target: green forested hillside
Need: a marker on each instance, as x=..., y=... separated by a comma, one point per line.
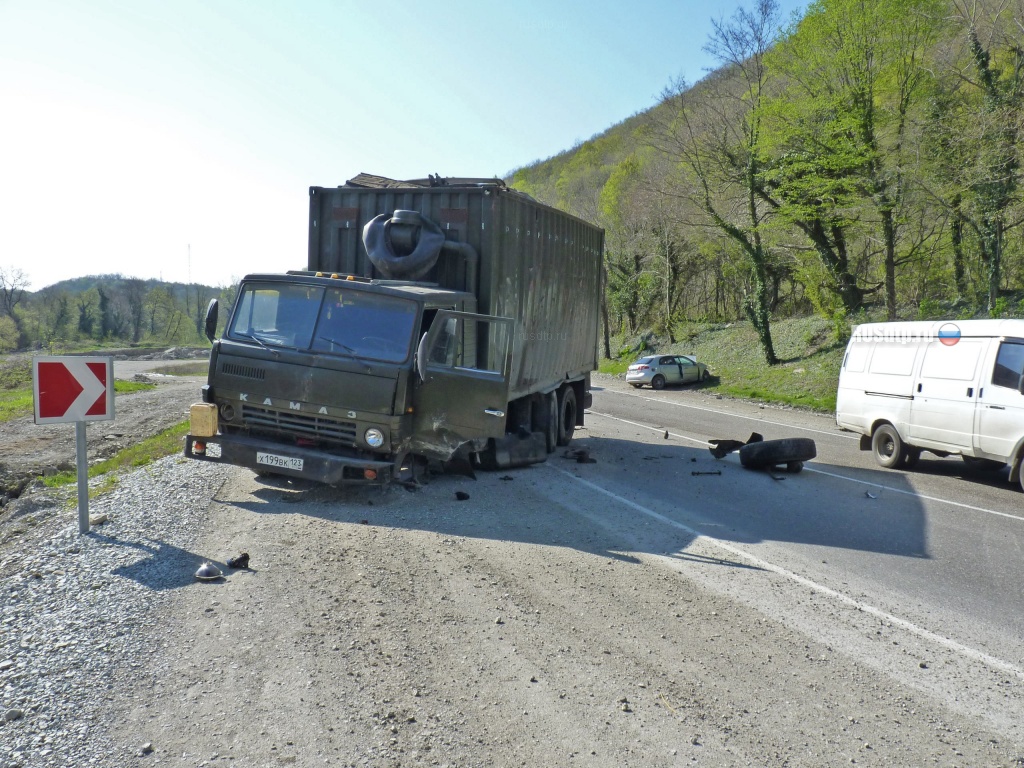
x=865, y=159
x=100, y=309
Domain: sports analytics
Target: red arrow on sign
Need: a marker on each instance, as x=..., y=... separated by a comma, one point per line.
x=73, y=389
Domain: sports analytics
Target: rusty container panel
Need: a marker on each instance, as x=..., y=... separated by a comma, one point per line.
x=536, y=265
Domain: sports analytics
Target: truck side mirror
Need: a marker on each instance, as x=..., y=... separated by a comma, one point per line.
x=421, y=358
x=211, y=319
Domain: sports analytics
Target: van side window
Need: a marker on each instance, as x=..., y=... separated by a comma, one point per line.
x=1009, y=365
x=957, y=362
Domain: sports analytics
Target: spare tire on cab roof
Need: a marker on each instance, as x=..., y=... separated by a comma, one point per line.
x=404, y=244
x=791, y=451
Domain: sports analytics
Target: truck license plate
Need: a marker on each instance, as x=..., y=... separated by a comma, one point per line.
x=273, y=460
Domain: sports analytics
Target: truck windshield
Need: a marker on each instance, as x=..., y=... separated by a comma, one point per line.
x=345, y=322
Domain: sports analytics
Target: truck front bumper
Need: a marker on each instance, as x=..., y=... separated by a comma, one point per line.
x=288, y=460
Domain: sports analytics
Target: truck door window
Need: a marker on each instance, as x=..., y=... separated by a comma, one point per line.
x=1009, y=365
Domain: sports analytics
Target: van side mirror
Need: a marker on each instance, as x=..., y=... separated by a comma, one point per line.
x=211, y=319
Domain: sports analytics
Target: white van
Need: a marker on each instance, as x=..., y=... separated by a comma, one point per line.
x=949, y=387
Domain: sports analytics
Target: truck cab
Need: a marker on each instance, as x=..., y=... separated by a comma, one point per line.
x=341, y=378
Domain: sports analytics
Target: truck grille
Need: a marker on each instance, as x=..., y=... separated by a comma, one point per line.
x=245, y=371
x=295, y=423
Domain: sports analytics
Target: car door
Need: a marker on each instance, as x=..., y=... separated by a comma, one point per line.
x=463, y=362
x=669, y=367
x=689, y=369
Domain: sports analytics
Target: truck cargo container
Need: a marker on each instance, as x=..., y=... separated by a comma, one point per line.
x=437, y=320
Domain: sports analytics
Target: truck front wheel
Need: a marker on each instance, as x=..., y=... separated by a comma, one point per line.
x=888, y=446
x=566, y=414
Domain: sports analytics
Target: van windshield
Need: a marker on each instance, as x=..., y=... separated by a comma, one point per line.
x=344, y=322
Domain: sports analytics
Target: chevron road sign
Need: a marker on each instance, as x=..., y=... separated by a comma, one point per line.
x=73, y=388
x=78, y=389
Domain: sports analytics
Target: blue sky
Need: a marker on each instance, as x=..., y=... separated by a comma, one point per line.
x=177, y=139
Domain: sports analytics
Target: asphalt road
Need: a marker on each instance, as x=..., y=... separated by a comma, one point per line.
x=935, y=552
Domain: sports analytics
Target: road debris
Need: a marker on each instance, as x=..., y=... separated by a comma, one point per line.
x=242, y=561
x=720, y=448
x=208, y=572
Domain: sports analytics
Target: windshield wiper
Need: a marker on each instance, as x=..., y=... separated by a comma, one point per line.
x=344, y=346
x=259, y=341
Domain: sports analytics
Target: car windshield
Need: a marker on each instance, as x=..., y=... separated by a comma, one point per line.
x=345, y=322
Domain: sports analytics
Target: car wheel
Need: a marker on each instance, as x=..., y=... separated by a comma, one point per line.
x=566, y=415
x=791, y=451
x=705, y=376
x=658, y=382
x=888, y=447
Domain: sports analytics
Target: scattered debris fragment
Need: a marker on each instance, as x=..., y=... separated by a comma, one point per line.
x=208, y=572
x=666, y=434
x=870, y=495
x=706, y=472
x=242, y=561
x=720, y=447
x=581, y=456
x=97, y=519
x=461, y=495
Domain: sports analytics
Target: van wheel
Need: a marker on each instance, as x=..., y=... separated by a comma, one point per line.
x=888, y=447
x=566, y=415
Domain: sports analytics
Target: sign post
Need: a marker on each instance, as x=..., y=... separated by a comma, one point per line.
x=79, y=389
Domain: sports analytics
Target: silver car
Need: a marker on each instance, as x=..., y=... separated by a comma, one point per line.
x=659, y=370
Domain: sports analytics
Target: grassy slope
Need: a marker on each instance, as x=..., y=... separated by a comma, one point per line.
x=807, y=377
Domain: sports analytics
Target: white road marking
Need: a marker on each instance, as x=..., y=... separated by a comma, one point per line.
x=809, y=468
x=909, y=626
x=733, y=415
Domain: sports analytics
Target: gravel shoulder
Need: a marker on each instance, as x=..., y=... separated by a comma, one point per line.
x=522, y=626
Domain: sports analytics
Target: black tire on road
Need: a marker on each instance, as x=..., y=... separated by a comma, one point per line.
x=791, y=451
x=658, y=382
x=705, y=376
x=888, y=447
x=566, y=414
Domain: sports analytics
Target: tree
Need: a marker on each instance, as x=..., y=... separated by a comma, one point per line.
x=995, y=80
x=135, y=297
x=715, y=137
x=13, y=283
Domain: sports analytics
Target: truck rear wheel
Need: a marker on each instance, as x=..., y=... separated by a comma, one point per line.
x=566, y=414
x=888, y=447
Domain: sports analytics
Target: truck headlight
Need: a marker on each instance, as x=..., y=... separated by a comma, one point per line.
x=374, y=437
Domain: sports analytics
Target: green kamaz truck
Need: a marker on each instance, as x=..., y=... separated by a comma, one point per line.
x=442, y=320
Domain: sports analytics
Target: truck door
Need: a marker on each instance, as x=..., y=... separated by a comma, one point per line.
x=1001, y=404
x=464, y=362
